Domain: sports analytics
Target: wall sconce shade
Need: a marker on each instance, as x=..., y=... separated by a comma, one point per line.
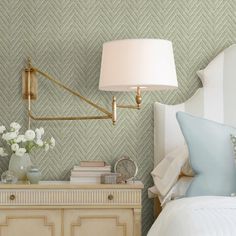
x=132, y=63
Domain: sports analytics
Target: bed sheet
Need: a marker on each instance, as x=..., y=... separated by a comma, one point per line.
x=197, y=216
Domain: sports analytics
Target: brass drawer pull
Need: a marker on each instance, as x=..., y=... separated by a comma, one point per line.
x=110, y=197
x=12, y=197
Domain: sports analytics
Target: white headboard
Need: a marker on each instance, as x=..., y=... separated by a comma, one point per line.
x=215, y=101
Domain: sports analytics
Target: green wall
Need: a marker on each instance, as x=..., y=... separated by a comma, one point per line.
x=64, y=38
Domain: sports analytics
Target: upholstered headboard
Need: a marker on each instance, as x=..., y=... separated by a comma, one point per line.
x=215, y=101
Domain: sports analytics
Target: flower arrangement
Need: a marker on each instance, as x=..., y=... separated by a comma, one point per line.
x=19, y=144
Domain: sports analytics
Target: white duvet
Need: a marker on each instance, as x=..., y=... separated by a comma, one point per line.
x=197, y=216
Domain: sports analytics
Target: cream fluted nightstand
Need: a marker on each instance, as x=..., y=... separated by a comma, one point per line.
x=64, y=209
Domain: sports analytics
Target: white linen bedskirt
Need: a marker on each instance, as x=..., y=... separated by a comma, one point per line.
x=197, y=216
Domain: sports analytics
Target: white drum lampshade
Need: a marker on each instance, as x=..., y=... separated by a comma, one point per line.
x=131, y=63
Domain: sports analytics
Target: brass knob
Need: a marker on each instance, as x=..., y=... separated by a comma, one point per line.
x=12, y=197
x=110, y=197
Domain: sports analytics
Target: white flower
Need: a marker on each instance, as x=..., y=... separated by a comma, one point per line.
x=9, y=136
x=2, y=129
x=2, y=152
x=15, y=126
x=20, y=138
x=29, y=135
x=39, y=132
x=20, y=152
x=39, y=142
x=52, y=142
x=46, y=147
x=14, y=147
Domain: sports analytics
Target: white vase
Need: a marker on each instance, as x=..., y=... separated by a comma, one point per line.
x=19, y=165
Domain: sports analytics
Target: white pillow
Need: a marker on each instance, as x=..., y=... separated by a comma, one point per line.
x=187, y=169
x=168, y=170
x=177, y=191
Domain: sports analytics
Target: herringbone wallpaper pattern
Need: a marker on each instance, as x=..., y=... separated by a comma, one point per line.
x=65, y=37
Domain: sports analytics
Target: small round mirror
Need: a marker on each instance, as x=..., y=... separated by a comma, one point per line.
x=127, y=168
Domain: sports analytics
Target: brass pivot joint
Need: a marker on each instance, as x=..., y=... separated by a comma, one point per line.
x=138, y=97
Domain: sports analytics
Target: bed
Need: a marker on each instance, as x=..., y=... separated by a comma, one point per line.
x=203, y=215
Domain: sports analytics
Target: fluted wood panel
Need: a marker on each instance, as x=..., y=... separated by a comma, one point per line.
x=63, y=197
x=65, y=37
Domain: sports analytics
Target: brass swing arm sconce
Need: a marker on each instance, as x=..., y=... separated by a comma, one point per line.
x=126, y=65
x=30, y=93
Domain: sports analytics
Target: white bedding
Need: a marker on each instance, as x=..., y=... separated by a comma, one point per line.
x=197, y=216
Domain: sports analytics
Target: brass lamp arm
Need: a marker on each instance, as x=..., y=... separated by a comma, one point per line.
x=138, y=99
x=29, y=94
x=67, y=117
x=72, y=91
x=128, y=106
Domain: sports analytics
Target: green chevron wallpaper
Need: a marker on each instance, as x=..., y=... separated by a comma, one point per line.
x=65, y=37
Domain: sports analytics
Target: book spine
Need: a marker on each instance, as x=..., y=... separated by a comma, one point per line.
x=92, y=163
x=79, y=168
x=88, y=174
x=85, y=180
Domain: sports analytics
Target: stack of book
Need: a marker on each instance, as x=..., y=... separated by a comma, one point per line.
x=89, y=172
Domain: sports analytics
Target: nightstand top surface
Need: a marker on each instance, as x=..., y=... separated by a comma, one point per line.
x=68, y=185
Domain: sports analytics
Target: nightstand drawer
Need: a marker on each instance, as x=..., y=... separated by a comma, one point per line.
x=95, y=197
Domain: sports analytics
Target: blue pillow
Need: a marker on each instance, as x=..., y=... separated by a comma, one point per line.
x=211, y=156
